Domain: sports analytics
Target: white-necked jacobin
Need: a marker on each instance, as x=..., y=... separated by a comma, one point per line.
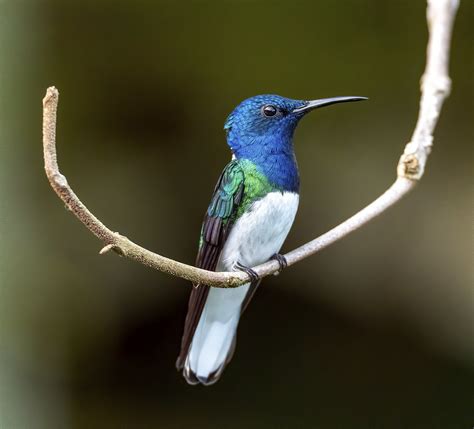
x=251, y=212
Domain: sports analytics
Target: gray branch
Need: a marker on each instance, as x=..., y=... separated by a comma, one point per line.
x=435, y=87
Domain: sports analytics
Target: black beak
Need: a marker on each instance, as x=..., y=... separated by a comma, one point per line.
x=316, y=104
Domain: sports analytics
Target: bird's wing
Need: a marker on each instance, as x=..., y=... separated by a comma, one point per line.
x=217, y=224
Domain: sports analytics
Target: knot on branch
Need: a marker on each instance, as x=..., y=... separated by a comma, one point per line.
x=436, y=84
x=117, y=249
x=60, y=180
x=409, y=167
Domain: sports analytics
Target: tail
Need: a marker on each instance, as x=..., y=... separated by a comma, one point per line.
x=214, y=340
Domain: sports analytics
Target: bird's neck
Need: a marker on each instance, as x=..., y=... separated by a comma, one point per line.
x=277, y=162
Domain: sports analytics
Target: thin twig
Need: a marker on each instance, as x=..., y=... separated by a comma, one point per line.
x=435, y=88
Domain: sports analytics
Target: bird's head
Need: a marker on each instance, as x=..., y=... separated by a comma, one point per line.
x=269, y=121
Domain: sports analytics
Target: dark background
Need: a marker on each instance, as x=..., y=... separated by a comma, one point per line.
x=374, y=332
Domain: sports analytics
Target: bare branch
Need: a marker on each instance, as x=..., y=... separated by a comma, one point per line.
x=435, y=88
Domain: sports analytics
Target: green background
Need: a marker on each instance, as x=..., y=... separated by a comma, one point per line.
x=374, y=332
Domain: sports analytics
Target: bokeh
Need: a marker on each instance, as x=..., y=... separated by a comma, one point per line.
x=374, y=332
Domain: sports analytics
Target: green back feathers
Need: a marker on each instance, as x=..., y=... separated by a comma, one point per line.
x=238, y=187
x=256, y=186
x=238, y=176
x=229, y=185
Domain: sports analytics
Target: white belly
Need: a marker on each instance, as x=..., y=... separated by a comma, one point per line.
x=259, y=234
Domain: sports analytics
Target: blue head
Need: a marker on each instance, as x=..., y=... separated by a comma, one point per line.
x=261, y=129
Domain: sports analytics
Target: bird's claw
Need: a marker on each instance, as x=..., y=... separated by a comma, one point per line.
x=254, y=277
x=281, y=261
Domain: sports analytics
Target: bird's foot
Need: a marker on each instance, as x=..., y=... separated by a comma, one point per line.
x=254, y=277
x=281, y=261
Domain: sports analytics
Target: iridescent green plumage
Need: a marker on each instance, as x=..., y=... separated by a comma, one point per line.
x=240, y=180
x=236, y=174
x=229, y=185
x=256, y=186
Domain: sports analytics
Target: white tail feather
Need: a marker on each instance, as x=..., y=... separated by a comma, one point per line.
x=215, y=332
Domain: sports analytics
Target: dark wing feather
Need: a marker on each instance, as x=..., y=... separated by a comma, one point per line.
x=217, y=224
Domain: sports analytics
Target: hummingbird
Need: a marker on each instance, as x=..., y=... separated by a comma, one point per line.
x=252, y=209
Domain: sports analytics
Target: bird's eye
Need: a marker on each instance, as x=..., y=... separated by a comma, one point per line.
x=269, y=110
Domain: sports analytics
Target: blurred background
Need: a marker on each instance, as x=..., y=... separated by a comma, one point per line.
x=374, y=332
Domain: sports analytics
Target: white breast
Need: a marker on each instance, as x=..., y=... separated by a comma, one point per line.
x=259, y=234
